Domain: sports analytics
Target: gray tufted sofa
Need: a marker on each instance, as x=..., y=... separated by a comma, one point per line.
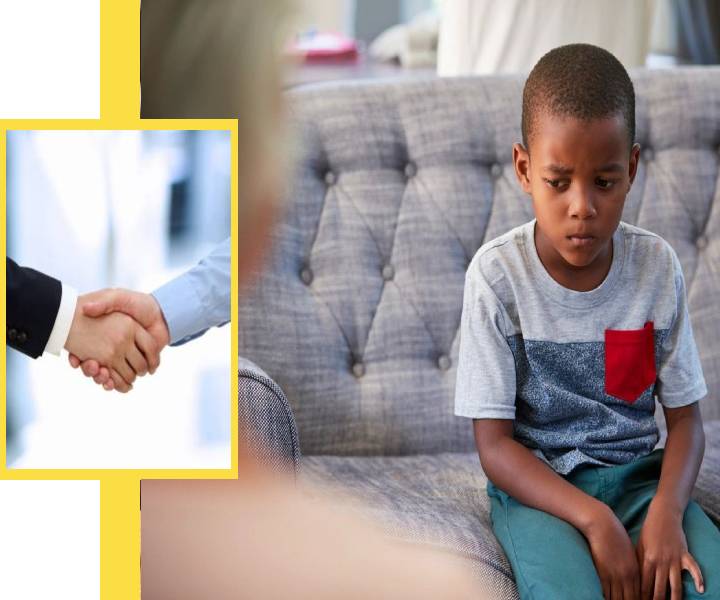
x=356, y=315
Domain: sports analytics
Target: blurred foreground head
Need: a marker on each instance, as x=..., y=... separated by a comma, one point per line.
x=222, y=59
x=228, y=540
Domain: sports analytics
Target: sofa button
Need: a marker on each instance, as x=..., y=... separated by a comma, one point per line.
x=22, y=337
x=702, y=242
x=330, y=178
x=388, y=272
x=648, y=154
x=358, y=369
x=444, y=362
x=12, y=335
x=306, y=275
x=496, y=170
x=410, y=170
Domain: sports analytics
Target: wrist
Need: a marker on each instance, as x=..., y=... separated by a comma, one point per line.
x=670, y=508
x=596, y=514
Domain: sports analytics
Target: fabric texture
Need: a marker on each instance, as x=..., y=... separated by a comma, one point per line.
x=356, y=314
x=32, y=300
x=564, y=568
x=199, y=298
x=577, y=370
x=437, y=499
x=63, y=320
x=441, y=500
x=264, y=414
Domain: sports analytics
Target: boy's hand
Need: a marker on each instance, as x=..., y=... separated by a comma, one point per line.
x=663, y=554
x=614, y=557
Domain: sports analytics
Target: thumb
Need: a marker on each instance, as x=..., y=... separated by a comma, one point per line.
x=108, y=302
x=688, y=563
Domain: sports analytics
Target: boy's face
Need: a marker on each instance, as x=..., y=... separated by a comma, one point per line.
x=578, y=177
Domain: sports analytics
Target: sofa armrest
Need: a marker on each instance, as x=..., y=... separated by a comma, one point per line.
x=266, y=417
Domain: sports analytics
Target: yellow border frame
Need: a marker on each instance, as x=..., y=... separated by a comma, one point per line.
x=119, y=542
x=128, y=124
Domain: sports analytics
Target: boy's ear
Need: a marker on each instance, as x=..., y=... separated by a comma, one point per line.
x=633, y=165
x=521, y=161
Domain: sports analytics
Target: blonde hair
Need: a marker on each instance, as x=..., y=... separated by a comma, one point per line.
x=219, y=59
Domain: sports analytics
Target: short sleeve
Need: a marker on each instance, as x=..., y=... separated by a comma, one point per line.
x=485, y=387
x=680, y=378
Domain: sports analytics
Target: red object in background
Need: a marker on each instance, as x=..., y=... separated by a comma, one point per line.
x=324, y=48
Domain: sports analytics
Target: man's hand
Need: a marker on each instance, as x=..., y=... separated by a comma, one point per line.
x=663, y=554
x=614, y=557
x=116, y=341
x=143, y=308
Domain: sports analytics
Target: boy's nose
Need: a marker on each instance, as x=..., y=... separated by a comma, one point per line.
x=582, y=206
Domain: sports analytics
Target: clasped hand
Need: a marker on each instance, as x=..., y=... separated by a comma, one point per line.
x=117, y=335
x=645, y=571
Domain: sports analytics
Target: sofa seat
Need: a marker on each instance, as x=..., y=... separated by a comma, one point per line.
x=441, y=499
x=438, y=499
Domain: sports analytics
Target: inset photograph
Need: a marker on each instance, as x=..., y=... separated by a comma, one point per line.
x=118, y=299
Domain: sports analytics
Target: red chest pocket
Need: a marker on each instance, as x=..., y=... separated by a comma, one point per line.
x=629, y=361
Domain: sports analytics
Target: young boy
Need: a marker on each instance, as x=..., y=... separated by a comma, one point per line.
x=571, y=324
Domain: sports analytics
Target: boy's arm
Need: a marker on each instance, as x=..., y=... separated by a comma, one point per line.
x=522, y=475
x=683, y=454
x=662, y=547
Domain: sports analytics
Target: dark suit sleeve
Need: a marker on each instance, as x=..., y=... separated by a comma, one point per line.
x=33, y=301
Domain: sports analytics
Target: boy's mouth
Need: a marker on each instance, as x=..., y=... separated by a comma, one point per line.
x=581, y=240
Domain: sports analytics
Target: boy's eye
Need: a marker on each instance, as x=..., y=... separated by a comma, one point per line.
x=605, y=184
x=555, y=183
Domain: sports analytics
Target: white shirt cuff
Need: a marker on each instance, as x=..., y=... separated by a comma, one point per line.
x=63, y=321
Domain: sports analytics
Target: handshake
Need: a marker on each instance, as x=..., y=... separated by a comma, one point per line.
x=115, y=336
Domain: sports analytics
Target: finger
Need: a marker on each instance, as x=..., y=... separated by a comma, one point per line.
x=119, y=382
x=616, y=589
x=605, y=583
x=109, y=385
x=74, y=361
x=137, y=361
x=629, y=589
x=675, y=582
x=90, y=368
x=688, y=563
x=149, y=347
x=648, y=581
x=124, y=370
x=661, y=581
x=102, y=377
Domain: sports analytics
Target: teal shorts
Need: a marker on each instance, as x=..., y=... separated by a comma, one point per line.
x=551, y=559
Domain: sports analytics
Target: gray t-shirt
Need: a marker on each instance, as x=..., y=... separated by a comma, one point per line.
x=577, y=371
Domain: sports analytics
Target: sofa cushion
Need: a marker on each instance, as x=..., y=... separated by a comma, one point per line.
x=438, y=499
x=441, y=499
x=397, y=185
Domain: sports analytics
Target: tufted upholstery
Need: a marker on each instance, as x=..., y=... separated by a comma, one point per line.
x=356, y=314
x=399, y=183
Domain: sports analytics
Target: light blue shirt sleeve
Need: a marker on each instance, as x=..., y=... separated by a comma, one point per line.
x=199, y=298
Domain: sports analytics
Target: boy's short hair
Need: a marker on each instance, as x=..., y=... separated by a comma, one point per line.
x=580, y=81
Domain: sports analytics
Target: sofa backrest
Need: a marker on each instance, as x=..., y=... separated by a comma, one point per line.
x=398, y=184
